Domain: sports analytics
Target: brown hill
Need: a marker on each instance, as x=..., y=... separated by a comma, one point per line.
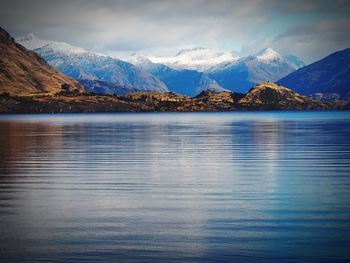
x=23, y=72
x=266, y=96
x=270, y=96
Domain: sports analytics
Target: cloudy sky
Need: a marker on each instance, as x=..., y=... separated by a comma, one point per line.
x=309, y=29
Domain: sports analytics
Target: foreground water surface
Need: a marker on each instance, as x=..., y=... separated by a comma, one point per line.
x=208, y=187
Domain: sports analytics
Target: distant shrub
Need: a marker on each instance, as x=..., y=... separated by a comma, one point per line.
x=65, y=87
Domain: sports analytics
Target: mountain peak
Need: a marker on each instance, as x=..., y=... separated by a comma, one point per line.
x=198, y=58
x=138, y=59
x=267, y=54
x=265, y=51
x=31, y=41
x=65, y=48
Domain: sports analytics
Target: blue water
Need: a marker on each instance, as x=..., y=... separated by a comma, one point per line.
x=178, y=187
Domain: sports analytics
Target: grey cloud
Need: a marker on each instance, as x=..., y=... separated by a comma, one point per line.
x=315, y=40
x=148, y=22
x=297, y=6
x=166, y=26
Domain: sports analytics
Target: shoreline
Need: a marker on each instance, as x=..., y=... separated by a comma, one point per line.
x=154, y=102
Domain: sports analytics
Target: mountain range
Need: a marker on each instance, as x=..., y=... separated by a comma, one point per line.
x=28, y=84
x=188, y=72
x=327, y=78
x=227, y=71
x=194, y=70
x=204, y=59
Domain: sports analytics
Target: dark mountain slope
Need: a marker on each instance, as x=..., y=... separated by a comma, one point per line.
x=328, y=75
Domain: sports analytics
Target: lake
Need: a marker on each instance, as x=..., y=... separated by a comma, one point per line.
x=175, y=187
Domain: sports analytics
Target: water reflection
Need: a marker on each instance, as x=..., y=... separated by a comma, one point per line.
x=175, y=187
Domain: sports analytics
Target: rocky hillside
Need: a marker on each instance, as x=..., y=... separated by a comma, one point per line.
x=23, y=72
x=271, y=96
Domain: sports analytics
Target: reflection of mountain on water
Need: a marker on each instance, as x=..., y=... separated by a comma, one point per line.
x=192, y=182
x=21, y=143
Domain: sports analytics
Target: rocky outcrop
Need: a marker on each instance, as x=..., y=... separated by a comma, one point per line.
x=271, y=96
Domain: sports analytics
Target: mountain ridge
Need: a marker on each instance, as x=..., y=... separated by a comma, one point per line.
x=199, y=59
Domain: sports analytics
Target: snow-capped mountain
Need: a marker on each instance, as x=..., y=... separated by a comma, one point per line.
x=183, y=81
x=85, y=65
x=200, y=59
x=138, y=60
x=30, y=41
x=267, y=55
x=246, y=72
x=188, y=72
x=230, y=72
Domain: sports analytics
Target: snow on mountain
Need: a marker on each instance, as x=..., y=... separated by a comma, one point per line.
x=267, y=55
x=200, y=59
x=30, y=41
x=67, y=49
x=234, y=73
x=294, y=61
x=187, y=72
x=138, y=60
x=182, y=81
x=241, y=75
x=80, y=64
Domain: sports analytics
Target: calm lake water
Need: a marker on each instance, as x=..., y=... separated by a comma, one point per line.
x=207, y=187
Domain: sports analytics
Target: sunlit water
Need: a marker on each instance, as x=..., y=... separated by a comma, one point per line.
x=223, y=187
